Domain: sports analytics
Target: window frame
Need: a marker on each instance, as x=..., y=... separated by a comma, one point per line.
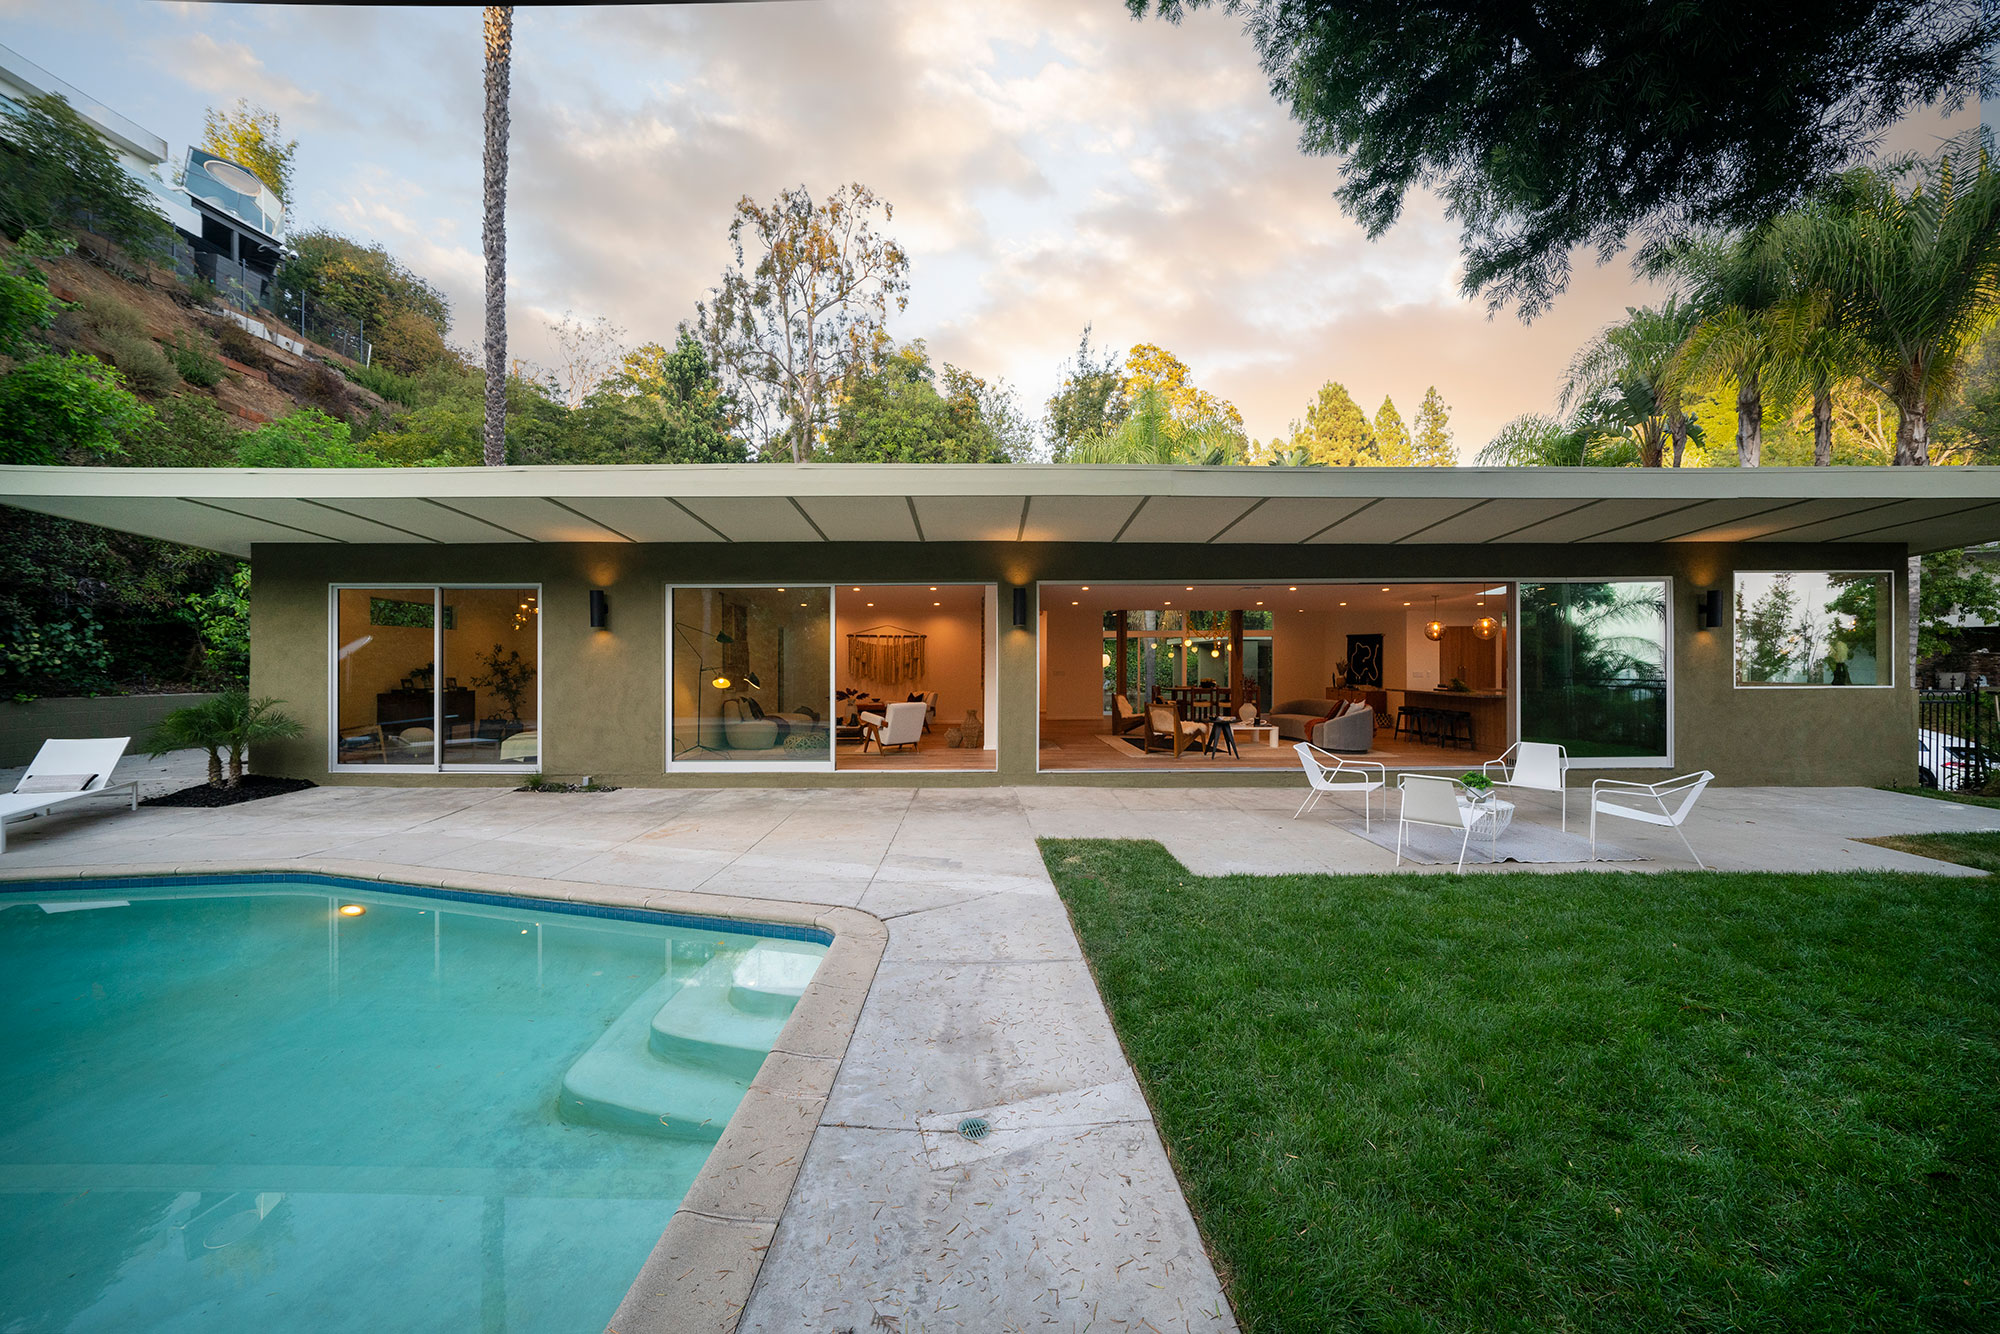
x=1888, y=661
x=744, y=766
x=437, y=766
x=1517, y=635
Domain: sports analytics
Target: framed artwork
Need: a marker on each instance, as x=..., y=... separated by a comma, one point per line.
x=1364, y=660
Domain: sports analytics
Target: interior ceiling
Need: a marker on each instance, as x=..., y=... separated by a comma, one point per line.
x=1463, y=600
x=851, y=600
x=230, y=509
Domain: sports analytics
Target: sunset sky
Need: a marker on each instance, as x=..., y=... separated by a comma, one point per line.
x=1052, y=163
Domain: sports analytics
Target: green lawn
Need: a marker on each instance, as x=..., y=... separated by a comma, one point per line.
x=1586, y=1101
x=1980, y=849
x=1939, y=794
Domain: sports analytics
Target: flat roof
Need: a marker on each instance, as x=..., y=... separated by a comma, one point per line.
x=230, y=509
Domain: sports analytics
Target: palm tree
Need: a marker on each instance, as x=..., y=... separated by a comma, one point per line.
x=1535, y=441
x=1908, y=256
x=1738, y=289
x=196, y=727
x=499, y=56
x=1628, y=375
x=243, y=722
x=1151, y=433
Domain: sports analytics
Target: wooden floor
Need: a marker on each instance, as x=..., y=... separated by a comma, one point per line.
x=1080, y=745
x=930, y=754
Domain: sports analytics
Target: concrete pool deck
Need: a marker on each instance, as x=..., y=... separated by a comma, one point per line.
x=1067, y=1215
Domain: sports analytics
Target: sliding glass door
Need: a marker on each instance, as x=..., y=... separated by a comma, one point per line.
x=750, y=677
x=1594, y=668
x=429, y=677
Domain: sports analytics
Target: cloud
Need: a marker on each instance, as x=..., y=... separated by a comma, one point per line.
x=232, y=70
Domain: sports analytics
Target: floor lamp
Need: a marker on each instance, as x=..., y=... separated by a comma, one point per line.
x=694, y=635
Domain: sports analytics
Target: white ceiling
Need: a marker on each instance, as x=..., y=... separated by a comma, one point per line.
x=1460, y=598
x=230, y=509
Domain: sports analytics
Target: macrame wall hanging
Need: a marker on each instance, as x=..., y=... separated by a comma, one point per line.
x=887, y=653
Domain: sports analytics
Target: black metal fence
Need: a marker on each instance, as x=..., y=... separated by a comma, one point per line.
x=258, y=296
x=1958, y=738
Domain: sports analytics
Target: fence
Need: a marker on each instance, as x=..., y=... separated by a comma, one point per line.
x=1957, y=735
x=258, y=295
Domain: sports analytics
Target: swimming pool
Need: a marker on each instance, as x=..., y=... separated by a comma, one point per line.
x=294, y=1102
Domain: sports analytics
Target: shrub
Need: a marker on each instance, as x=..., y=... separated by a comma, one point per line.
x=194, y=363
x=68, y=654
x=303, y=438
x=146, y=368
x=222, y=618
x=26, y=308
x=187, y=431
x=385, y=383
x=106, y=315
x=53, y=406
x=239, y=344
x=59, y=171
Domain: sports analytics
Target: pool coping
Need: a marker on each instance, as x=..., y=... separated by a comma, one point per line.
x=700, y=1273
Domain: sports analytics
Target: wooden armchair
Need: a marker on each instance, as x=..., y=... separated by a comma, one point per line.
x=1166, y=729
x=1124, y=717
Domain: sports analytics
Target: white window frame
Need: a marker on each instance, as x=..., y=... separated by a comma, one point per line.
x=437, y=765
x=1665, y=761
x=1886, y=663
x=727, y=766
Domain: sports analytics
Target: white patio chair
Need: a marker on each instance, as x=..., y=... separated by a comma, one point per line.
x=1342, y=775
x=903, y=725
x=1433, y=799
x=1429, y=799
x=1674, y=798
x=64, y=771
x=1535, y=765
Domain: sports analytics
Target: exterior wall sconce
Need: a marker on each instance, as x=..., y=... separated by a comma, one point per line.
x=600, y=610
x=1020, y=608
x=1708, y=609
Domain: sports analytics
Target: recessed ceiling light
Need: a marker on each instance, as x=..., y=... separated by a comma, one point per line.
x=937, y=604
x=1405, y=604
x=1086, y=588
x=933, y=588
x=1294, y=588
x=1072, y=603
x=858, y=590
x=1260, y=604
x=1385, y=588
x=1169, y=604
x=1343, y=604
x=1190, y=588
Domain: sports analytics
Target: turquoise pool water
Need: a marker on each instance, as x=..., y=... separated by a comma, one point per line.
x=230, y=1106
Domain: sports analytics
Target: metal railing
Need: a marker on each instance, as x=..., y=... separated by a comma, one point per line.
x=1958, y=738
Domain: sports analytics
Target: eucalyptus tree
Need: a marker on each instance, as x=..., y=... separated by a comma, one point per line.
x=499, y=70
x=1629, y=374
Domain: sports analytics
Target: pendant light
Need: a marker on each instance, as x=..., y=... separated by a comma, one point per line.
x=1485, y=627
x=1434, y=628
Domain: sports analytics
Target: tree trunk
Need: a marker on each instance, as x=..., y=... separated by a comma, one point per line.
x=1649, y=444
x=1913, y=438
x=214, y=767
x=1822, y=427
x=236, y=766
x=1680, y=430
x=499, y=55
x=1749, y=421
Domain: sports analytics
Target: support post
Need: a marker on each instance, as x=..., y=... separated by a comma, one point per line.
x=1236, y=659
x=1120, y=620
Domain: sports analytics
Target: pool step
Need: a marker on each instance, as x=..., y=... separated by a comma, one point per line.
x=619, y=1083
x=729, y=1013
x=681, y=1056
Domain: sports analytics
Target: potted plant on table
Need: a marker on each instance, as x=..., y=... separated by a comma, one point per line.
x=1478, y=787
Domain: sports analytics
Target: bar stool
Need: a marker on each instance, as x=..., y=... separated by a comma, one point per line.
x=1459, y=734
x=1430, y=726
x=1406, y=721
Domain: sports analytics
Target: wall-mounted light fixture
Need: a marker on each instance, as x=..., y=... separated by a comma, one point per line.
x=600, y=610
x=1020, y=608
x=1708, y=609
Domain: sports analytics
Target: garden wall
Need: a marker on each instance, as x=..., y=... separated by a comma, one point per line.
x=23, y=727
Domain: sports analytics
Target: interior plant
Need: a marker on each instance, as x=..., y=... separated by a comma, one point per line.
x=507, y=676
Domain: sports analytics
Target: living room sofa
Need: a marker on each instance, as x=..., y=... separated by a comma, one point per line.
x=1300, y=720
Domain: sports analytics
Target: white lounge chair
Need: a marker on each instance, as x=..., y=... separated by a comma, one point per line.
x=1433, y=800
x=1536, y=765
x=1673, y=798
x=903, y=725
x=65, y=771
x=1343, y=775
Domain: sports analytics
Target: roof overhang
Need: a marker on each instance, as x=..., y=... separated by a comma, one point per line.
x=230, y=509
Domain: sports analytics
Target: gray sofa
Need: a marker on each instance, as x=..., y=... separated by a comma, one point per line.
x=1353, y=732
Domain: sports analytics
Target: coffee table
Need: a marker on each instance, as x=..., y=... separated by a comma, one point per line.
x=1494, y=815
x=1264, y=732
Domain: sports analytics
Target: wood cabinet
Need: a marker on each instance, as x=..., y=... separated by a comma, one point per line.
x=1464, y=656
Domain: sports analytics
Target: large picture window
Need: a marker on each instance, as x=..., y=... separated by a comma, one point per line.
x=1594, y=668
x=750, y=677
x=432, y=678
x=1801, y=628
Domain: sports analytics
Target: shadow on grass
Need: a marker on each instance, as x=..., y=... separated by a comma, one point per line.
x=1669, y=1101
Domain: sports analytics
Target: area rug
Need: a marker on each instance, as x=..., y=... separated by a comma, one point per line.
x=1279, y=756
x=1523, y=841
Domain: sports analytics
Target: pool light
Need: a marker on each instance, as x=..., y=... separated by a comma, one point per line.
x=351, y=910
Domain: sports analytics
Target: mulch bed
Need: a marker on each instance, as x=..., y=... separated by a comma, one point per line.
x=254, y=787
x=565, y=787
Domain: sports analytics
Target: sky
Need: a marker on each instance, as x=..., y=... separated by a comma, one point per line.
x=1051, y=164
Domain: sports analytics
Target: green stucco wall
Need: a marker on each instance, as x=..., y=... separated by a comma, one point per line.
x=603, y=709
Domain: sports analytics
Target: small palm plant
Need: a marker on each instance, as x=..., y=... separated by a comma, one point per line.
x=231, y=722
x=247, y=722
x=196, y=727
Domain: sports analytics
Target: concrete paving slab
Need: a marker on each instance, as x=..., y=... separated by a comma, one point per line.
x=988, y=928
